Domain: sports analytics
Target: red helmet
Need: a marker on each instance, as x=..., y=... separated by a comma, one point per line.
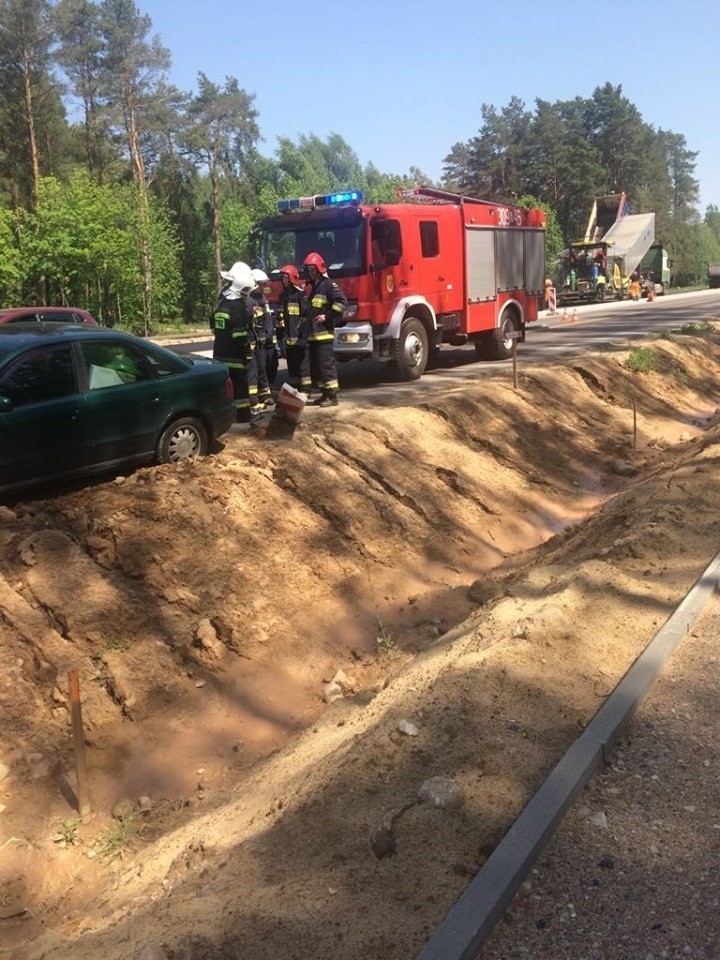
x=315, y=260
x=292, y=273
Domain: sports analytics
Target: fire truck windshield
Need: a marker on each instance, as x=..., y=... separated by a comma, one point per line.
x=342, y=246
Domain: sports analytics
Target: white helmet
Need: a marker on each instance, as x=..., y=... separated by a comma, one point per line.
x=259, y=276
x=240, y=277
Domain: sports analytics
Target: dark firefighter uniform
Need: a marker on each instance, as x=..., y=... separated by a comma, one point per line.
x=324, y=299
x=232, y=326
x=292, y=321
x=265, y=341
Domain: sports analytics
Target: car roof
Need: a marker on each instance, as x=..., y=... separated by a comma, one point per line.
x=32, y=332
x=43, y=307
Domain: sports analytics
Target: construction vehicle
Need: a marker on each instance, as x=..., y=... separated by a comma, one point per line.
x=714, y=275
x=599, y=266
x=433, y=268
x=655, y=271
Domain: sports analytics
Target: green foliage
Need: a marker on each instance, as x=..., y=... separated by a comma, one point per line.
x=384, y=642
x=118, y=837
x=84, y=244
x=10, y=258
x=697, y=328
x=66, y=835
x=116, y=644
x=641, y=360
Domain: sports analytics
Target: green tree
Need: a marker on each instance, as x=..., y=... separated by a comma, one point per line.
x=494, y=163
x=565, y=170
x=80, y=54
x=712, y=220
x=220, y=133
x=616, y=128
x=133, y=72
x=10, y=258
x=32, y=114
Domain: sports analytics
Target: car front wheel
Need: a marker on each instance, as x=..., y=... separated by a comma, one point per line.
x=184, y=438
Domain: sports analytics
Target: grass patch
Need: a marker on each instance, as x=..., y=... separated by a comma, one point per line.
x=116, y=839
x=641, y=360
x=66, y=835
x=116, y=644
x=384, y=642
x=695, y=328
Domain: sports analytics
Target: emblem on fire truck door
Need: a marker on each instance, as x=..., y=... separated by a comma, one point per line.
x=389, y=283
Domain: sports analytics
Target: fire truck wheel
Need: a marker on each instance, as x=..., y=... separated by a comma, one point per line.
x=499, y=345
x=410, y=350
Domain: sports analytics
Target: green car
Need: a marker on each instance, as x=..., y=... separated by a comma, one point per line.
x=78, y=400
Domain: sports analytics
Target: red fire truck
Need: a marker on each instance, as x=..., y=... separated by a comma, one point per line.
x=436, y=268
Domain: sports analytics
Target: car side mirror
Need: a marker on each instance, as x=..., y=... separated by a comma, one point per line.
x=6, y=405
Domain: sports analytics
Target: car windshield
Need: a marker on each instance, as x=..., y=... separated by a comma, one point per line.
x=340, y=246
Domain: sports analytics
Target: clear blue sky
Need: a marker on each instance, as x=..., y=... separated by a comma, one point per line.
x=403, y=81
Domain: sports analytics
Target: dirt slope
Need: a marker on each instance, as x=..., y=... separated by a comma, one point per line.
x=208, y=606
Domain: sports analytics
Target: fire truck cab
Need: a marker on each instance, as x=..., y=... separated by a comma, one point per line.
x=437, y=268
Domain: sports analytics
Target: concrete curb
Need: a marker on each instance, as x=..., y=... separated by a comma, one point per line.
x=463, y=932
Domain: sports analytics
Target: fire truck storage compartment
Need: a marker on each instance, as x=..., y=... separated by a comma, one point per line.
x=499, y=260
x=510, y=253
x=480, y=253
x=534, y=261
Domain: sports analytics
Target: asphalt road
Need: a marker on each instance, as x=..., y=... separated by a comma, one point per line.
x=596, y=327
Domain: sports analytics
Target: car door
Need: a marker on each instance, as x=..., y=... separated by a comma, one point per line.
x=125, y=404
x=40, y=425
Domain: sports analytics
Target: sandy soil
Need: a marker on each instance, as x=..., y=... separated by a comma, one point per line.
x=484, y=568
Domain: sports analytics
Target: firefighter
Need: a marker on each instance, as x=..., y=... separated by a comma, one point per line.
x=265, y=340
x=326, y=305
x=232, y=326
x=292, y=324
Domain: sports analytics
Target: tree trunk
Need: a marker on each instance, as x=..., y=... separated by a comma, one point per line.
x=32, y=136
x=215, y=203
x=144, y=210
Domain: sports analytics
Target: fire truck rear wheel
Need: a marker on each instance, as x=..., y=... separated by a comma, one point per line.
x=411, y=349
x=499, y=345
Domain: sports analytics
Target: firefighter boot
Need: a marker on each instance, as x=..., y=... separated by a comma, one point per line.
x=329, y=399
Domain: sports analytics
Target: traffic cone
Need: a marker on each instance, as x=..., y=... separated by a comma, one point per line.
x=573, y=319
x=565, y=316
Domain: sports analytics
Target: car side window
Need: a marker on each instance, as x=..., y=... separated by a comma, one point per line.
x=23, y=318
x=58, y=316
x=163, y=367
x=40, y=374
x=110, y=364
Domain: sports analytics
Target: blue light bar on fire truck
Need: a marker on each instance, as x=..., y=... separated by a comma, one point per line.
x=319, y=200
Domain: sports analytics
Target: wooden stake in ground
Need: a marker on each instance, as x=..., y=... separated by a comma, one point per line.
x=514, y=336
x=83, y=798
x=634, y=425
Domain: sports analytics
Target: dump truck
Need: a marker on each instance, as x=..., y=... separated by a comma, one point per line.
x=655, y=270
x=599, y=266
